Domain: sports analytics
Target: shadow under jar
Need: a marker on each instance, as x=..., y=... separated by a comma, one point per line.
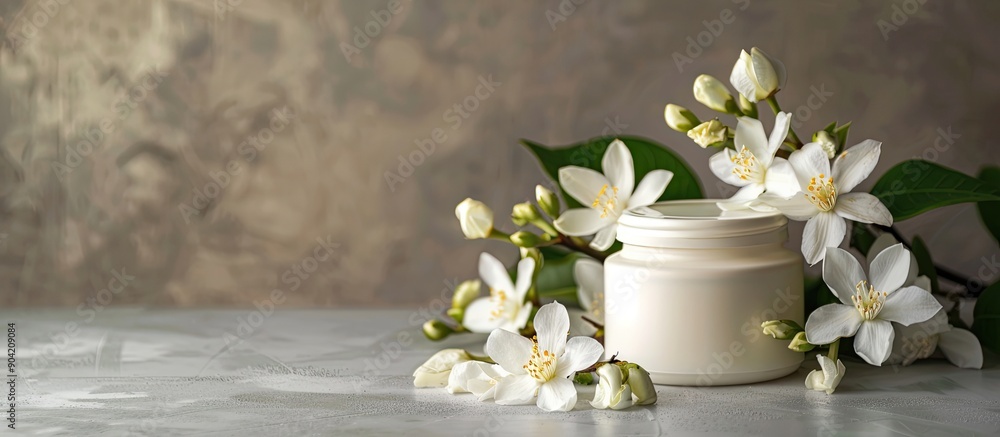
x=687, y=293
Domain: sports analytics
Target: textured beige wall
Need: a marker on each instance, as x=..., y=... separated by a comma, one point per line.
x=145, y=103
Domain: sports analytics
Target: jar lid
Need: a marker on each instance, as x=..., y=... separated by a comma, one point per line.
x=699, y=224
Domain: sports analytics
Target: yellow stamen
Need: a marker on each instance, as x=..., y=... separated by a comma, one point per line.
x=822, y=192
x=541, y=365
x=747, y=168
x=867, y=300
x=606, y=201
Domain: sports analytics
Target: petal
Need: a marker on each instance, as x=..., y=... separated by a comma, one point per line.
x=855, y=164
x=462, y=373
x=825, y=230
x=557, y=395
x=740, y=79
x=580, y=222
x=605, y=238
x=582, y=183
x=810, y=161
x=746, y=194
x=516, y=390
x=581, y=353
x=750, y=134
x=862, y=207
x=842, y=272
x=782, y=122
x=881, y=243
x=589, y=276
x=650, y=188
x=722, y=167
x=796, y=207
x=618, y=167
x=909, y=305
x=479, y=318
x=889, y=269
x=780, y=179
x=494, y=274
x=552, y=327
x=874, y=341
x=763, y=71
x=962, y=348
x=521, y=318
x=511, y=351
x=778, y=66
x=830, y=322
x=525, y=273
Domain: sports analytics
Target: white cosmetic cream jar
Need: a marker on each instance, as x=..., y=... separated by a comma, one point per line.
x=687, y=293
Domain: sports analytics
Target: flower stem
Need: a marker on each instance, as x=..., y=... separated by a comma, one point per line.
x=795, y=143
x=580, y=246
x=834, y=349
x=545, y=227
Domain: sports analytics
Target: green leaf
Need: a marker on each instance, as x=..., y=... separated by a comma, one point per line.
x=925, y=265
x=862, y=237
x=830, y=127
x=986, y=318
x=915, y=187
x=556, y=280
x=989, y=212
x=841, y=133
x=647, y=155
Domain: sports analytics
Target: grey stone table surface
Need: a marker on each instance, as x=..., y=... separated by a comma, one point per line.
x=347, y=372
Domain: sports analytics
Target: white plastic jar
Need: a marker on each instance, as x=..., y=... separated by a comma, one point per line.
x=687, y=293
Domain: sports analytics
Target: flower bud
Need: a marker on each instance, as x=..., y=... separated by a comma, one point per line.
x=535, y=254
x=547, y=200
x=756, y=75
x=611, y=391
x=748, y=108
x=524, y=213
x=680, y=118
x=525, y=239
x=437, y=330
x=476, y=219
x=781, y=329
x=465, y=293
x=709, y=133
x=712, y=93
x=456, y=314
x=642, y=386
x=436, y=370
x=799, y=343
x=826, y=142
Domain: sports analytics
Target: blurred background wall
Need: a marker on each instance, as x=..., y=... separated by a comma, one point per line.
x=205, y=152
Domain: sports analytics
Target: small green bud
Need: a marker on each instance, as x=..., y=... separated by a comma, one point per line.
x=799, y=343
x=437, y=330
x=456, y=314
x=642, y=386
x=747, y=107
x=465, y=293
x=781, y=329
x=680, y=118
x=826, y=142
x=524, y=213
x=547, y=200
x=525, y=239
x=713, y=94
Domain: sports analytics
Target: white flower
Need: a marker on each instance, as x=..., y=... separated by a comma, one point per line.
x=544, y=366
x=475, y=217
x=476, y=377
x=921, y=340
x=589, y=276
x=505, y=307
x=607, y=196
x=827, y=379
x=712, y=93
x=825, y=199
x=866, y=309
x=708, y=133
x=753, y=165
x=611, y=392
x=436, y=370
x=756, y=75
x=827, y=143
